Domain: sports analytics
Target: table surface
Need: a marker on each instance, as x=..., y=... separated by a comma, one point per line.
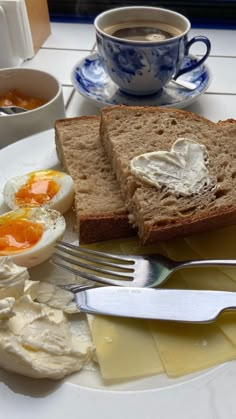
x=70, y=42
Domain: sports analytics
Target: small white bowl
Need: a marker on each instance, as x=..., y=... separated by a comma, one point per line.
x=35, y=83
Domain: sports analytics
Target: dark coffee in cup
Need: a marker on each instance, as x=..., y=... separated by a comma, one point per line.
x=149, y=31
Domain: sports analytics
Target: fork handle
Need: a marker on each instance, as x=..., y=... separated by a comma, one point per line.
x=205, y=262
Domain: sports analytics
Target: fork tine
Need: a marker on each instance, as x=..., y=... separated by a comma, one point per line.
x=74, y=288
x=90, y=277
x=77, y=262
x=61, y=245
x=97, y=259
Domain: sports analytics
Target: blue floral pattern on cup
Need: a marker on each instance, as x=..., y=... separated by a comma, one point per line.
x=91, y=80
x=130, y=66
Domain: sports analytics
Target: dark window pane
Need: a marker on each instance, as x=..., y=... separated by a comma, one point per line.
x=212, y=13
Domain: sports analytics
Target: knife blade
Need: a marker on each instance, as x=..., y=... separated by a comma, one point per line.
x=162, y=304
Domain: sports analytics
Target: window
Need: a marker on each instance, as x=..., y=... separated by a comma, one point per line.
x=207, y=13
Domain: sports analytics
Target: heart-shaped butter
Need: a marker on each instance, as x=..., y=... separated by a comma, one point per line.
x=183, y=170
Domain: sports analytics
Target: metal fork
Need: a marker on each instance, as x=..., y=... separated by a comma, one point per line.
x=132, y=271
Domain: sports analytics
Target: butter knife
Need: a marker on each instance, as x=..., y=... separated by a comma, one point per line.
x=162, y=304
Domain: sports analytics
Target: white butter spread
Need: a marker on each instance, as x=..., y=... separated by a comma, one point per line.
x=12, y=278
x=6, y=308
x=37, y=340
x=31, y=288
x=183, y=170
x=56, y=297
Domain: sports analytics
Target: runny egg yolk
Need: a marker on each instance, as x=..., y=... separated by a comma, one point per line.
x=39, y=189
x=17, y=234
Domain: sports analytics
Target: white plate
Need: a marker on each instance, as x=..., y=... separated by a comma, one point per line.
x=206, y=395
x=91, y=81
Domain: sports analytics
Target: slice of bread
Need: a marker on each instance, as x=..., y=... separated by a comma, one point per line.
x=100, y=210
x=127, y=132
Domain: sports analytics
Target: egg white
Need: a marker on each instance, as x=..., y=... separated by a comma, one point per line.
x=54, y=226
x=61, y=201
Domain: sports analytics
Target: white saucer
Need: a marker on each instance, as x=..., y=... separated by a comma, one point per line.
x=91, y=81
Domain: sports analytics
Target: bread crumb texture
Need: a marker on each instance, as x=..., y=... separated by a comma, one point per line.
x=84, y=158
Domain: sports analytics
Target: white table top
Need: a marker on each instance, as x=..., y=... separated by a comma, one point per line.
x=70, y=42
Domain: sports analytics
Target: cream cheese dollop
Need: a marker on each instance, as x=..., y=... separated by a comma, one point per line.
x=37, y=340
x=37, y=345
x=6, y=308
x=56, y=297
x=183, y=170
x=12, y=278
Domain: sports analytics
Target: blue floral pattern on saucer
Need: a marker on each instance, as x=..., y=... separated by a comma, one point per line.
x=91, y=81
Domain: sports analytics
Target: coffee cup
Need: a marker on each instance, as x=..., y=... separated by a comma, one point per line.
x=143, y=48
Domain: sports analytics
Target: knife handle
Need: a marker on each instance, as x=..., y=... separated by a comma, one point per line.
x=197, y=306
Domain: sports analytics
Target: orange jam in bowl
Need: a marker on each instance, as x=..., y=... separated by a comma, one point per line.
x=16, y=98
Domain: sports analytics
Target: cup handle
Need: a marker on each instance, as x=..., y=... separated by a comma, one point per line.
x=196, y=64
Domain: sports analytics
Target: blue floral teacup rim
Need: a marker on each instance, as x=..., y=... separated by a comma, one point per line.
x=150, y=9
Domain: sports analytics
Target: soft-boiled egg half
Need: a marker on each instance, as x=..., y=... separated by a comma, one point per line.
x=47, y=188
x=29, y=234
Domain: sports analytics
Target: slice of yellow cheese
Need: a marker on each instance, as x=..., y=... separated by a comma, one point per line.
x=198, y=278
x=217, y=244
x=133, y=246
x=227, y=323
x=186, y=348
x=125, y=348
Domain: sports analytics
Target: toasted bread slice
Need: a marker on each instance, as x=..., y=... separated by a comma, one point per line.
x=100, y=209
x=127, y=132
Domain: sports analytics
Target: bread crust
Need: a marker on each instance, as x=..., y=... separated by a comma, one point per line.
x=210, y=222
x=104, y=227
x=148, y=109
